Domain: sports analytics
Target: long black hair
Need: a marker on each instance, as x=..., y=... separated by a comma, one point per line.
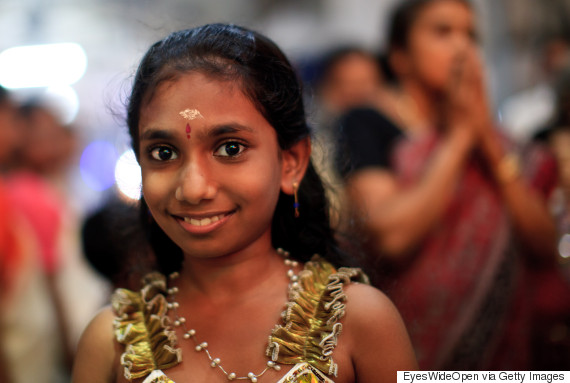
x=267, y=78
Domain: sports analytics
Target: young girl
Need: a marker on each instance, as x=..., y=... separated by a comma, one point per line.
x=218, y=125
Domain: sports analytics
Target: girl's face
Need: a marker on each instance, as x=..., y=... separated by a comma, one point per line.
x=440, y=36
x=211, y=166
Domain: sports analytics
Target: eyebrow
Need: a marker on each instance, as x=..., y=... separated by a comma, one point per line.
x=215, y=131
x=156, y=134
x=220, y=130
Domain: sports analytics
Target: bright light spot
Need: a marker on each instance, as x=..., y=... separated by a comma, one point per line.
x=97, y=165
x=42, y=65
x=63, y=100
x=564, y=246
x=128, y=175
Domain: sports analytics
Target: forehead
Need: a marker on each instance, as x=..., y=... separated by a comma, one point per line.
x=446, y=11
x=217, y=101
x=200, y=92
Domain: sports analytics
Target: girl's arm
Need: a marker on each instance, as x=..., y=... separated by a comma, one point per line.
x=380, y=345
x=96, y=356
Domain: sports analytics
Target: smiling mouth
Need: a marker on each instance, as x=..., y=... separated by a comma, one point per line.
x=206, y=221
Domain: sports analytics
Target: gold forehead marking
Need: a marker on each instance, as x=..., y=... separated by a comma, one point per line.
x=191, y=114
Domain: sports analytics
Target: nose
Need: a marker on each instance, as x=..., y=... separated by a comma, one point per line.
x=195, y=184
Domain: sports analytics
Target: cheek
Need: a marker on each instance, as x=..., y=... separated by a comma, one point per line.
x=156, y=188
x=260, y=184
x=433, y=59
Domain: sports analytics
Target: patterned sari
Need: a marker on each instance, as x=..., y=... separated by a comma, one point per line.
x=462, y=295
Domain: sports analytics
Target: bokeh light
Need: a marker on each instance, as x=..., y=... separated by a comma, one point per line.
x=63, y=100
x=128, y=175
x=564, y=246
x=97, y=165
x=42, y=65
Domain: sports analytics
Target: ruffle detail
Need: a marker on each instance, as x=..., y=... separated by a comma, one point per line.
x=141, y=324
x=311, y=320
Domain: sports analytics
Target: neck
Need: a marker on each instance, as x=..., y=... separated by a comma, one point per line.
x=227, y=276
x=426, y=103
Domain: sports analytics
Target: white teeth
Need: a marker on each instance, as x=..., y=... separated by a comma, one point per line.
x=203, y=221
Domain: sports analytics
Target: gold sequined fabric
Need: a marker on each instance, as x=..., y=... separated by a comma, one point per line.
x=305, y=373
x=143, y=327
x=311, y=320
x=157, y=376
x=306, y=338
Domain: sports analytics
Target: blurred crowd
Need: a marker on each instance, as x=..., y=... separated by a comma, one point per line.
x=462, y=222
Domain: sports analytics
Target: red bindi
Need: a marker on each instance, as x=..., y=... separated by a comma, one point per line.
x=188, y=130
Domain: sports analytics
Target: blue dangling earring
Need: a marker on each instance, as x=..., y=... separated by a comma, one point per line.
x=296, y=203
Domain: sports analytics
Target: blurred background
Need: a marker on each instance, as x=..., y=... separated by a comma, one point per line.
x=75, y=58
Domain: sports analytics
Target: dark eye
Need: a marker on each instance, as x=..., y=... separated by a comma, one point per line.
x=442, y=30
x=163, y=153
x=229, y=149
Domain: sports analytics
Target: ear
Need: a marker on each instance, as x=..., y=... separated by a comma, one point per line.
x=294, y=162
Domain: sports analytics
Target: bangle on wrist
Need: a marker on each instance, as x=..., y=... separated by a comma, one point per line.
x=508, y=169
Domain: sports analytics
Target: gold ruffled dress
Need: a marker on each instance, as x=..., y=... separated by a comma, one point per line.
x=306, y=339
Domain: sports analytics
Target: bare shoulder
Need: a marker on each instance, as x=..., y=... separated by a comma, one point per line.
x=369, y=306
x=95, y=359
x=378, y=339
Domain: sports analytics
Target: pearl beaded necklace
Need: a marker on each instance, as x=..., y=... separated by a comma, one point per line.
x=203, y=346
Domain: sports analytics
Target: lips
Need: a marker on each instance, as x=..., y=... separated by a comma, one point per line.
x=203, y=223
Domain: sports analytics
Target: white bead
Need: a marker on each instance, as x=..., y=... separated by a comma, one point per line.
x=182, y=320
x=288, y=262
x=253, y=379
x=204, y=344
x=177, y=323
x=280, y=251
x=250, y=375
x=198, y=348
x=294, y=263
x=175, y=305
x=174, y=275
x=290, y=273
x=231, y=376
x=277, y=367
x=169, y=305
x=192, y=332
x=294, y=278
x=217, y=360
x=186, y=336
x=270, y=363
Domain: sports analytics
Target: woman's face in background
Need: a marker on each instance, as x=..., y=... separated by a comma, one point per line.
x=443, y=31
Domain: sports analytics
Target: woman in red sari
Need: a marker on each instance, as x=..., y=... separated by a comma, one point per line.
x=443, y=201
